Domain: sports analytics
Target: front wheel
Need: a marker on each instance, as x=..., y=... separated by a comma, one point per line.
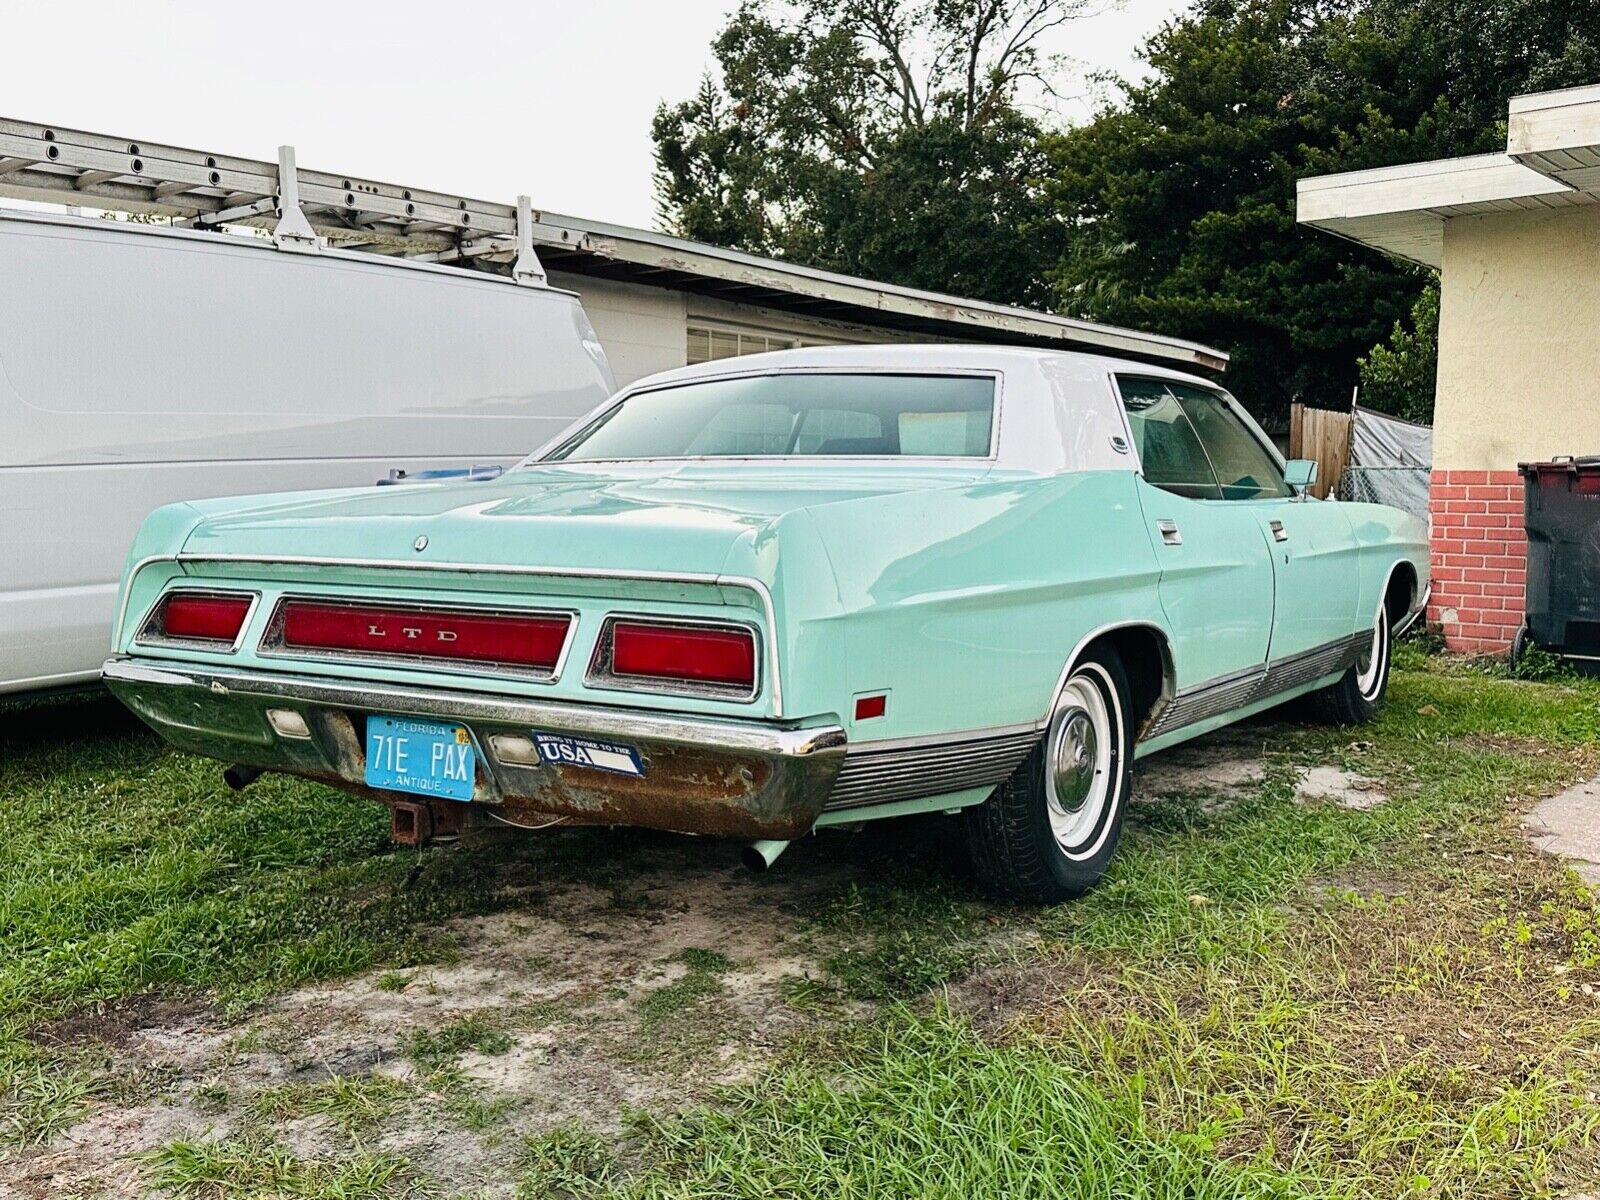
x=1048, y=833
x=1354, y=699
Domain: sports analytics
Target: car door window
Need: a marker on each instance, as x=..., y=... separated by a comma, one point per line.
x=1244, y=468
x=1170, y=452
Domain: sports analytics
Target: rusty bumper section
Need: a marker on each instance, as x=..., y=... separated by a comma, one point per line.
x=701, y=774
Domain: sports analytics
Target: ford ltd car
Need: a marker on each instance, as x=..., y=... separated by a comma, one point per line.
x=760, y=596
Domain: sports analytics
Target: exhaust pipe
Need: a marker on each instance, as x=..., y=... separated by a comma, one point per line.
x=758, y=856
x=239, y=776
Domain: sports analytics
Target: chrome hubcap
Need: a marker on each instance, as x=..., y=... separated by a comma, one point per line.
x=1074, y=762
x=1079, y=767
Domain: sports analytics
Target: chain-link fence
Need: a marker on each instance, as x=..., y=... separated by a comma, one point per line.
x=1403, y=487
x=1390, y=462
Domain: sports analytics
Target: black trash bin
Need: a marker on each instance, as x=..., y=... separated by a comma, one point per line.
x=1561, y=512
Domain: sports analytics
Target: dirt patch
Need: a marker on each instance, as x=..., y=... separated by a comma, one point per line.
x=1341, y=787
x=996, y=997
x=1215, y=770
x=120, y=1022
x=1220, y=769
x=650, y=991
x=1567, y=825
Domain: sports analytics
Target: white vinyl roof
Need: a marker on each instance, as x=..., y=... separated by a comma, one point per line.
x=1552, y=161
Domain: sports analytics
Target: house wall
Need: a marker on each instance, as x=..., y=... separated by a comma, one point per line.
x=1519, y=379
x=641, y=328
x=645, y=329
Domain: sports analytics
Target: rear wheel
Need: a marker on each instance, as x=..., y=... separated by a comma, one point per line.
x=1048, y=833
x=1358, y=694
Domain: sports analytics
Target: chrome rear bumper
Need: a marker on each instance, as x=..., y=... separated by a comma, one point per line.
x=1419, y=610
x=701, y=774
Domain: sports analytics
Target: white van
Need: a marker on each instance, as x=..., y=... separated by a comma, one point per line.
x=141, y=364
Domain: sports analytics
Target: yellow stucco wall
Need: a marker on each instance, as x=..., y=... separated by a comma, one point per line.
x=1519, y=339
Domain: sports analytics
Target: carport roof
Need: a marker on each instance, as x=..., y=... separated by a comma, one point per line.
x=209, y=190
x=1551, y=161
x=644, y=256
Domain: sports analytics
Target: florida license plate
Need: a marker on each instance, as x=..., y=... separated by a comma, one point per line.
x=426, y=758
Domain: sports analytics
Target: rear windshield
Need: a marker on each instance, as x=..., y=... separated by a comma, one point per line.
x=811, y=414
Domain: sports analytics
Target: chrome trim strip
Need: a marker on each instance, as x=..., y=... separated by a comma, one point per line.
x=601, y=677
x=748, y=583
x=1240, y=688
x=271, y=643
x=873, y=775
x=944, y=739
x=206, y=646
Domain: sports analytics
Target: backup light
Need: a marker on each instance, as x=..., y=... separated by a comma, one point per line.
x=722, y=656
x=287, y=723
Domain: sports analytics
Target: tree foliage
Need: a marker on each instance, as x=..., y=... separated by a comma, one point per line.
x=889, y=138
x=1398, y=376
x=896, y=139
x=1180, y=198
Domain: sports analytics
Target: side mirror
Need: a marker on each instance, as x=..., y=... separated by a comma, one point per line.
x=1300, y=473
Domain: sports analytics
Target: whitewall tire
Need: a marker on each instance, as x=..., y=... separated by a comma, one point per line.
x=1358, y=694
x=1049, y=832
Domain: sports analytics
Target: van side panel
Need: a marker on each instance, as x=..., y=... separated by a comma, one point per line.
x=140, y=365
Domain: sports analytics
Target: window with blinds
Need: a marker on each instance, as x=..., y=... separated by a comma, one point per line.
x=707, y=343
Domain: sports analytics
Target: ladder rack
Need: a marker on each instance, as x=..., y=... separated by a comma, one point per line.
x=305, y=210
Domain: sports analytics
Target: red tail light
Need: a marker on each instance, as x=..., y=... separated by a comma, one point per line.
x=531, y=641
x=724, y=656
x=199, y=617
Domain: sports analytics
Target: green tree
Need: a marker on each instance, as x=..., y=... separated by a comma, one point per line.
x=887, y=138
x=1179, y=198
x=1398, y=376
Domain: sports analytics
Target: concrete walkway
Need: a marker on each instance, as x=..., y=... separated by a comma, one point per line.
x=1568, y=825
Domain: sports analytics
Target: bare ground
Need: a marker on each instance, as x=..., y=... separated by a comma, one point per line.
x=568, y=974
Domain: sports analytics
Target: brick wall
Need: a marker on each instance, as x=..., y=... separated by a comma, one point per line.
x=1479, y=554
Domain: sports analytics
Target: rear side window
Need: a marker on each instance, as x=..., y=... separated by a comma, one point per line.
x=1169, y=449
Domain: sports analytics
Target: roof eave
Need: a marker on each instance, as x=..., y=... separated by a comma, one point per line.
x=668, y=261
x=1552, y=161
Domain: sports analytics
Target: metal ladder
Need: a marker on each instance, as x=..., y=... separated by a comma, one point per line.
x=306, y=211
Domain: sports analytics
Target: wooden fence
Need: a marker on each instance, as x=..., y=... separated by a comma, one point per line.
x=1323, y=435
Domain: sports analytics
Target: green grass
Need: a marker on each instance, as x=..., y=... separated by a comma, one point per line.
x=566, y=1161
x=1266, y=998
x=1224, y=1023
x=928, y=1109
x=256, y=1168
x=353, y=1103
x=703, y=978
x=437, y=1049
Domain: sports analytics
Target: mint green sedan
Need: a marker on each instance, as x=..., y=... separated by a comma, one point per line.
x=766, y=595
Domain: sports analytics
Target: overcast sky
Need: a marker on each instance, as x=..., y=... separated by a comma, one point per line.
x=486, y=98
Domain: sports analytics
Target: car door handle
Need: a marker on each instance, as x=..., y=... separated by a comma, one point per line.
x=1279, y=533
x=1169, y=532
